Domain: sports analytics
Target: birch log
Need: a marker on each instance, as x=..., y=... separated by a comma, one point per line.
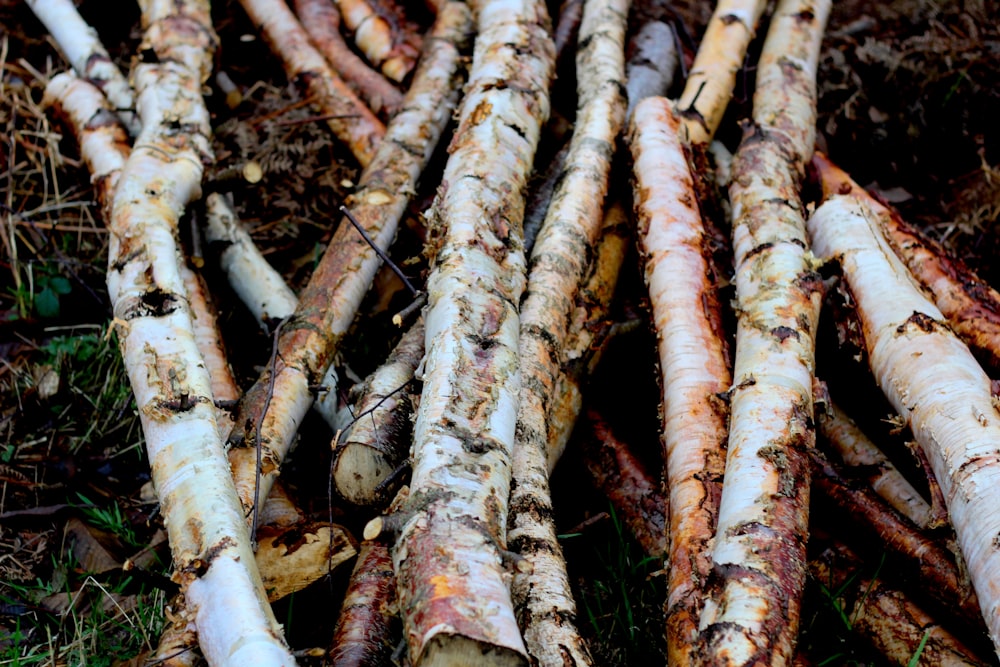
x=453, y=595
x=650, y=69
x=203, y=517
x=970, y=304
x=948, y=403
x=542, y=597
x=713, y=74
x=377, y=441
x=382, y=45
x=329, y=302
x=349, y=119
x=887, y=617
x=752, y=616
x=321, y=19
x=83, y=49
x=694, y=371
x=858, y=451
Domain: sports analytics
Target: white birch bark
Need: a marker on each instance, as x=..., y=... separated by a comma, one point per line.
x=932, y=380
x=454, y=598
x=759, y=553
x=203, y=517
x=85, y=52
x=261, y=289
x=694, y=369
x=713, y=74
x=542, y=597
x=329, y=302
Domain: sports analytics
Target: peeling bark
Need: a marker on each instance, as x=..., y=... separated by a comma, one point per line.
x=321, y=19
x=174, y=389
x=694, y=370
x=713, y=74
x=203, y=517
x=970, y=304
x=454, y=598
x=352, y=122
x=327, y=305
x=948, y=403
x=752, y=616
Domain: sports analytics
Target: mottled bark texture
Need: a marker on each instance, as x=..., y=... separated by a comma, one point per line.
x=204, y=519
x=931, y=379
x=327, y=305
x=559, y=261
x=452, y=586
x=752, y=616
x=694, y=370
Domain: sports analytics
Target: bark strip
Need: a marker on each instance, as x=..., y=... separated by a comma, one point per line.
x=83, y=49
x=752, y=616
x=542, y=597
x=329, y=302
x=321, y=19
x=453, y=595
x=694, y=371
x=970, y=304
x=351, y=121
x=948, y=403
x=203, y=517
x=713, y=74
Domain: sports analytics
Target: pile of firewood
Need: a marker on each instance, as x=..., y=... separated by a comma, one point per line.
x=513, y=319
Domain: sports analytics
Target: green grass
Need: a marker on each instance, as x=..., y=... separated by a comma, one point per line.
x=622, y=599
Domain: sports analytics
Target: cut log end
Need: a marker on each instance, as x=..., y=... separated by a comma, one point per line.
x=458, y=651
x=373, y=528
x=358, y=471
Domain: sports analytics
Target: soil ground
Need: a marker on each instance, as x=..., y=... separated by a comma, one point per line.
x=909, y=99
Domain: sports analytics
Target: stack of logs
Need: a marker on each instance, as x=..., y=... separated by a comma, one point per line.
x=511, y=322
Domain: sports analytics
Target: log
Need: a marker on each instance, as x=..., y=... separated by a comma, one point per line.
x=455, y=602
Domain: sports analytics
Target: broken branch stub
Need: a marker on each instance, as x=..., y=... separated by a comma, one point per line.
x=452, y=586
